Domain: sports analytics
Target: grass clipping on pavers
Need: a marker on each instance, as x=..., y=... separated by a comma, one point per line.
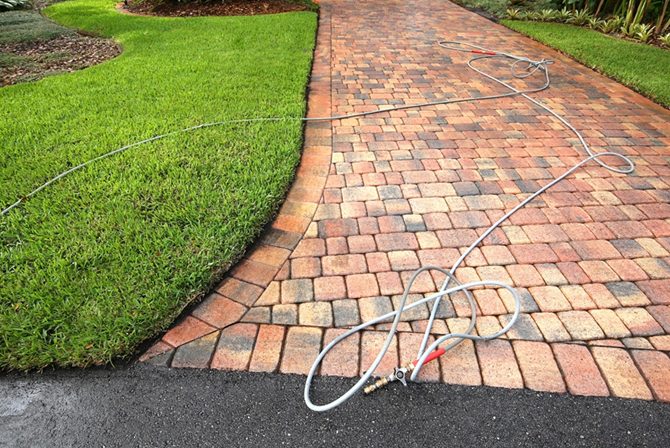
x=641, y=67
x=108, y=256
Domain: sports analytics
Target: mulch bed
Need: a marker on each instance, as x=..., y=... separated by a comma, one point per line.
x=60, y=55
x=214, y=8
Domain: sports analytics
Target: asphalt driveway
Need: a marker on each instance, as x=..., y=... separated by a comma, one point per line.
x=146, y=406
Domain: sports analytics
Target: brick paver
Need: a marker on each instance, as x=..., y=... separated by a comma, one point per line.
x=379, y=196
x=235, y=346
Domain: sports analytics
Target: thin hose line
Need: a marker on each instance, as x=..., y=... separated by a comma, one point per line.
x=537, y=66
x=304, y=119
x=132, y=145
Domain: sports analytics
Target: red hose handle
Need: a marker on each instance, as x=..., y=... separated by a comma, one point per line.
x=436, y=354
x=484, y=52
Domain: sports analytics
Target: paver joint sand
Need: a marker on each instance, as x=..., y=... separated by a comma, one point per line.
x=377, y=197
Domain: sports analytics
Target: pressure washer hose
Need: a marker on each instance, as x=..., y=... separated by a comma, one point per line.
x=424, y=354
x=430, y=353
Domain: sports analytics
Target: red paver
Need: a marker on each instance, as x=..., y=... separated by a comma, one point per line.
x=268, y=347
x=525, y=275
x=241, y=292
x=409, y=344
x=639, y=321
x=186, y=331
x=655, y=367
x=371, y=344
x=157, y=349
x=662, y=315
x=329, y=288
x=579, y=370
x=219, y=311
x=533, y=253
x=376, y=197
x=259, y=274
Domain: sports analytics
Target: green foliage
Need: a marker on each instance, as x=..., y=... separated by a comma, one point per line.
x=513, y=14
x=642, y=67
x=563, y=15
x=580, y=17
x=108, y=256
x=643, y=32
x=665, y=27
x=497, y=8
x=547, y=15
x=594, y=23
x=577, y=12
x=665, y=40
x=611, y=25
x=308, y=3
x=635, y=11
x=10, y=5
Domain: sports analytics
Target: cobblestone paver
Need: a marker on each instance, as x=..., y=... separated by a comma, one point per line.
x=377, y=197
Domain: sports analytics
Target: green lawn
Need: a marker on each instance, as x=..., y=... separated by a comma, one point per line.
x=110, y=255
x=641, y=67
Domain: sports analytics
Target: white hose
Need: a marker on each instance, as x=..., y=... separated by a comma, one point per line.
x=531, y=68
x=249, y=120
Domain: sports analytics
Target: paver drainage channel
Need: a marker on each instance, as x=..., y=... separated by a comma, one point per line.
x=376, y=198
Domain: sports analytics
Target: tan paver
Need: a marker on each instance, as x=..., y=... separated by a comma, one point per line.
x=498, y=364
x=301, y=348
x=342, y=360
x=235, y=345
x=623, y=378
x=538, y=366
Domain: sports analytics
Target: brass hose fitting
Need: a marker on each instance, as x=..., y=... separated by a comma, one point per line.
x=381, y=382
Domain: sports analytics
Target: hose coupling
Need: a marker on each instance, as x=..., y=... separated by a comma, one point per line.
x=399, y=374
x=381, y=382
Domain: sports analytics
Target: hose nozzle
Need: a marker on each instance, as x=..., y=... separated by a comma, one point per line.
x=399, y=374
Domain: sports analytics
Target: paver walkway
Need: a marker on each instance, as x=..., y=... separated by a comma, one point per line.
x=376, y=198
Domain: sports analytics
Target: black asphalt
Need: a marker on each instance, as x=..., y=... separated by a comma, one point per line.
x=146, y=406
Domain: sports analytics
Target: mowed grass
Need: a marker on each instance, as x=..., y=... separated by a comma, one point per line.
x=644, y=68
x=108, y=256
x=23, y=26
